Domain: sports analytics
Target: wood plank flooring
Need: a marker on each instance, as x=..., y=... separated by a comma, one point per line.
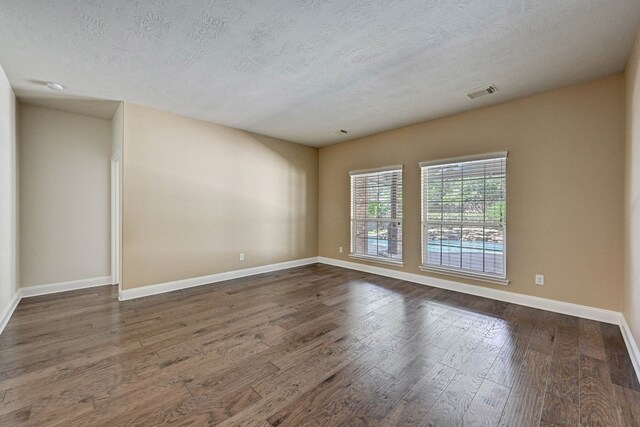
x=315, y=345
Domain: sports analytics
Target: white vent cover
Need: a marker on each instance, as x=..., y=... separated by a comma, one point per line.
x=482, y=91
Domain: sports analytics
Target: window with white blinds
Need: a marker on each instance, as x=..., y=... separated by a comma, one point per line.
x=376, y=214
x=463, y=215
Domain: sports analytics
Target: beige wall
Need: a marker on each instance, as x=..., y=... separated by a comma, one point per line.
x=197, y=194
x=631, y=298
x=564, y=187
x=64, y=196
x=8, y=195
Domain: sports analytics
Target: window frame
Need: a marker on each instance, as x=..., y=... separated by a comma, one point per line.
x=453, y=271
x=353, y=219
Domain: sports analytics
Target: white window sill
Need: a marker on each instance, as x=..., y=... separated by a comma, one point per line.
x=386, y=261
x=466, y=275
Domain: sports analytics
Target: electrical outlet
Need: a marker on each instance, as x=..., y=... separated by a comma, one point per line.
x=340, y=249
x=539, y=279
x=242, y=257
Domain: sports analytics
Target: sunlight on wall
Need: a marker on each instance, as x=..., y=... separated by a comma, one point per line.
x=196, y=195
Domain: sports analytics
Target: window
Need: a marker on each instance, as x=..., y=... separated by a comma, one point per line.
x=463, y=216
x=376, y=214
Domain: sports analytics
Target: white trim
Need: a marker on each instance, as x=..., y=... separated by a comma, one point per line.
x=145, y=291
x=467, y=275
x=425, y=266
x=54, y=288
x=380, y=260
x=116, y=230
x=394, y=168
x=632, y=346
x=593, y=313
x=472, y=158
x=8, y=311
x=571, y=309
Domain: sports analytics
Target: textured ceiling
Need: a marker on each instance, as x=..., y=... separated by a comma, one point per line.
x=302, y=69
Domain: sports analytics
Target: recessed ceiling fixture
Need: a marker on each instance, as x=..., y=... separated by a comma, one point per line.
x=482, y=91
x=55, y=86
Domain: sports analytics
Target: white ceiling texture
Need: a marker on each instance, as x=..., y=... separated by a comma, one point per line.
x=303, y=69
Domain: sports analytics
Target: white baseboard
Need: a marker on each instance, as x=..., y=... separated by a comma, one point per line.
x=632, y=346
x=593, y=313
x=144, y=291
x=8, y=311
x=53, y=288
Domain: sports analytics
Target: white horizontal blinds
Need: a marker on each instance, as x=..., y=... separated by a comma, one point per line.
x=376, y=214
x=464, y=215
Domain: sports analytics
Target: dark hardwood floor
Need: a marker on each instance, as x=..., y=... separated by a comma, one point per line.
x=314, y=345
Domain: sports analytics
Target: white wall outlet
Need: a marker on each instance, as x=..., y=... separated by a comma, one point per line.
x=539, y=279
x=340, y=249
x=242, y=256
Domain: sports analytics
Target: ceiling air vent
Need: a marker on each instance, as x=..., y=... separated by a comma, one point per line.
x=482, y=91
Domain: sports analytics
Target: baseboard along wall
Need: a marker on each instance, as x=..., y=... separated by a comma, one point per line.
x=577, y=310
x=72, y=285
x=50, y=288
x=161, y=288
x=592, y=313
x=8, y=311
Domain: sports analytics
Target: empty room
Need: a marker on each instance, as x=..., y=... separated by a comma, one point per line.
x=320, y=212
